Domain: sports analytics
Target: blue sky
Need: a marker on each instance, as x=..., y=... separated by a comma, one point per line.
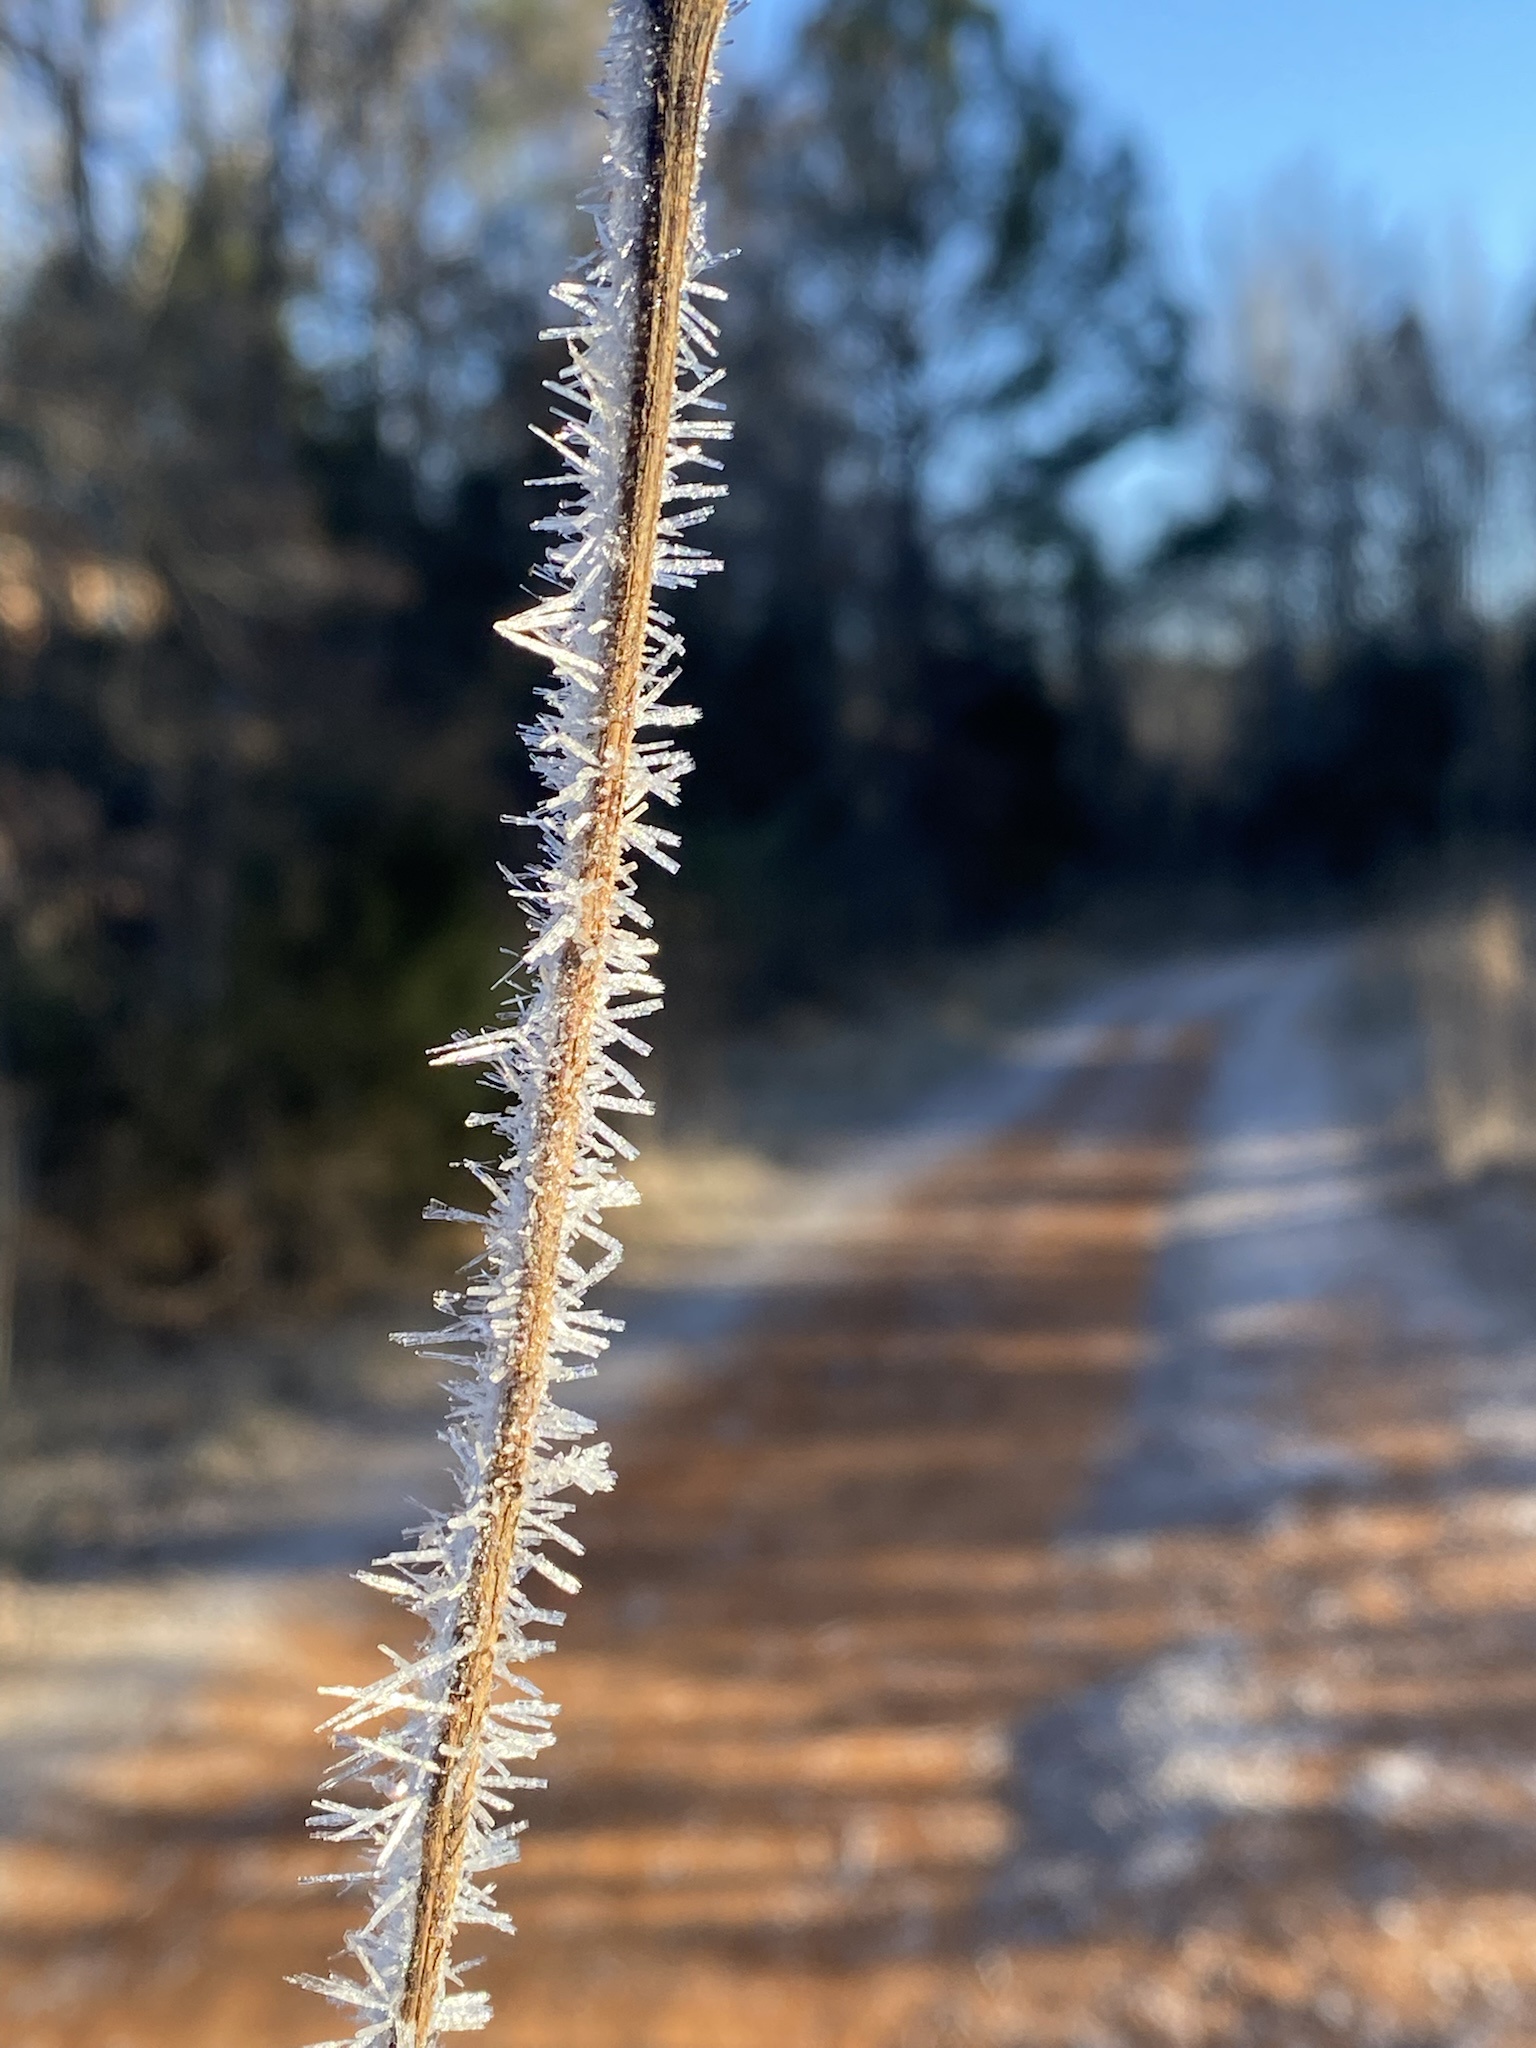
x=1419, y=114
x=1428, y=105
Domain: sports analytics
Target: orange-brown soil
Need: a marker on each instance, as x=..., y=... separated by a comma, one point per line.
x=810, y=1685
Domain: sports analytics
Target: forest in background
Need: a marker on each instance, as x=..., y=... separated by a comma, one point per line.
x=272, y=282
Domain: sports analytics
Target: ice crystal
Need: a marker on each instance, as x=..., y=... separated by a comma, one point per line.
x=389, y=1733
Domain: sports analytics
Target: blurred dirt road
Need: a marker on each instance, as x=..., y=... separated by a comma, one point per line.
x=1092, y=1604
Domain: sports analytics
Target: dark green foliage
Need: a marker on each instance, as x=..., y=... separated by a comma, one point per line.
x=945, y=312
x=255, y=731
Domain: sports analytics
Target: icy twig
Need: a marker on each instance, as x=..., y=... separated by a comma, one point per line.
x=439, y=1738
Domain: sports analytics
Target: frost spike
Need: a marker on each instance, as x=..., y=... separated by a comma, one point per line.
x=614, y=655
x=682, y=36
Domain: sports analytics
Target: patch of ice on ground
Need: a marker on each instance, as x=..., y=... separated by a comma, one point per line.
x=1124, y=1784
x=1305, y=1146
x=1290, y=1221
x=88, y=1668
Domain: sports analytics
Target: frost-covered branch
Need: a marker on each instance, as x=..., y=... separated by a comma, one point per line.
x=441, y=1742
